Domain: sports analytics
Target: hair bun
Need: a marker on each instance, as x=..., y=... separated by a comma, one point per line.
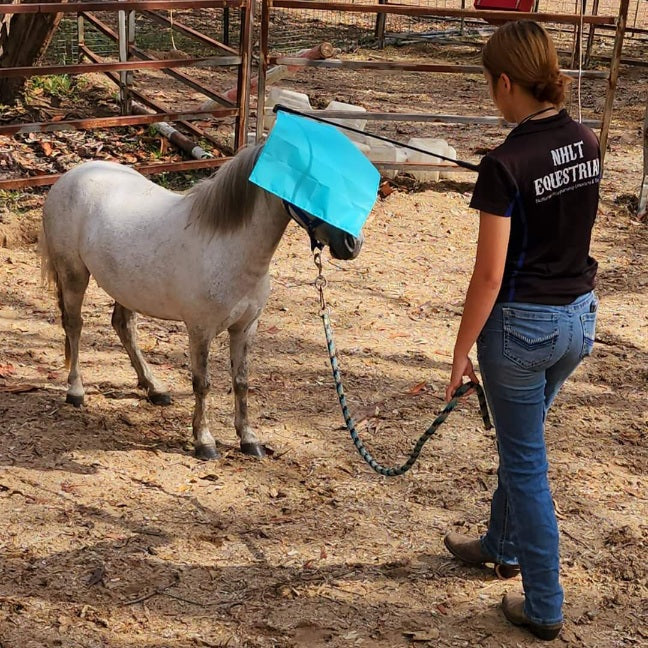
x=551, y=90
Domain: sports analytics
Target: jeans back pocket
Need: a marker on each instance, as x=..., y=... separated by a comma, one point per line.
x=588, y=322
x=530, y=336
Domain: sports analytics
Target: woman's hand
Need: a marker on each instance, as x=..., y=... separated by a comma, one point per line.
x=461, y=366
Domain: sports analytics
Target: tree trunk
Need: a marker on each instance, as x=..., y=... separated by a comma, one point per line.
x=23, y=39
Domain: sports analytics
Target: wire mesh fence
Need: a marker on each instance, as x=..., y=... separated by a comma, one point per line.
x=355, y=29
x=150, y=35
x=295, y=29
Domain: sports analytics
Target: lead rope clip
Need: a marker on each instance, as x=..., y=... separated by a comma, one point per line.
x=320, y=281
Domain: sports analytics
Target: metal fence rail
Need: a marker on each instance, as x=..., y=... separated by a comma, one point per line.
x=222, y=33
x=129, y=59
x=573, y=19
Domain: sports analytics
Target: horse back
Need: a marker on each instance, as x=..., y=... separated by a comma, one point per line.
x=97, y=191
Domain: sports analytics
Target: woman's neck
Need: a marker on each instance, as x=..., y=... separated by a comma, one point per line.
x=534, y=110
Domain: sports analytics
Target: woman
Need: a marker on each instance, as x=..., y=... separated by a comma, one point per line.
x=529, y=306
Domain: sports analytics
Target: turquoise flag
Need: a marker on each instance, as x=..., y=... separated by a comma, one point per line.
x=318, y=169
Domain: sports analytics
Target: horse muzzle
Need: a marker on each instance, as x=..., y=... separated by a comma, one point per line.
x=347, y=247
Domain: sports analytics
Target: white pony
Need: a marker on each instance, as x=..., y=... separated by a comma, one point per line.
x=200, y=257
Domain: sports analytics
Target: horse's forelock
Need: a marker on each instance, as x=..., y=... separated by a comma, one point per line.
x=225, y=201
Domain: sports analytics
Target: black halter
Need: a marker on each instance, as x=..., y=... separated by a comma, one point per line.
x=305, y=220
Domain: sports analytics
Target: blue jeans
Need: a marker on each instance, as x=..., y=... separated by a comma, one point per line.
x=526, y=352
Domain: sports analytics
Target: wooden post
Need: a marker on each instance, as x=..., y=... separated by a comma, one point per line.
x=634, y=20
x=226, y=22
x=578, y=34
x=264, y=47
x=130, y=32
x=462, y=22
x=381, y=20
x=643, y=191
x=574, y=56
x=590, y=35
x=245, y=40
x=614, y=75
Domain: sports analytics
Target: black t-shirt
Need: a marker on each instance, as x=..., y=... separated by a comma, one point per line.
x=545, y=177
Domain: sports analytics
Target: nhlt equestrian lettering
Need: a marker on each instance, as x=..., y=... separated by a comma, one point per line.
x=567, y=153
x=570, y=177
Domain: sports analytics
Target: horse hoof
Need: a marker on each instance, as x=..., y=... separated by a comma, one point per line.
x=207, y=452
x=74, y=399
x=160, y=398
x=253, y=450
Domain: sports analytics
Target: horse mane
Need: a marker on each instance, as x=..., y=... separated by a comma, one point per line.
x=224, y=202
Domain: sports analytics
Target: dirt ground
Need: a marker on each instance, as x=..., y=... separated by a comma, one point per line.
x=114, y=535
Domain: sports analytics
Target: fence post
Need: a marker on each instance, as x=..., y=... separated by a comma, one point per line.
x=381, y=20
x=590, y=34
x=124, y=79
x=80, y=37
x=615, y=64
x=226, y=23
x=264, y=47
x=245, y=44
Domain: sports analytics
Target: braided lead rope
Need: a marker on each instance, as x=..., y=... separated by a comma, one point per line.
x=320, y=283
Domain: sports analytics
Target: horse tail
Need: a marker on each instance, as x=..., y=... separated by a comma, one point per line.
x=49, y=278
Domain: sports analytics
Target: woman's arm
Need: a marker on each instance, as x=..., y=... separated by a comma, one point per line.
x=482, y=292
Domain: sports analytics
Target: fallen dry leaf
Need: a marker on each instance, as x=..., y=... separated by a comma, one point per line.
x=418, y=388
x=385, y=190
x=47, y=148
x=6, y=370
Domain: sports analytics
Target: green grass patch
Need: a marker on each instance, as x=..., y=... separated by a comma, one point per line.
x=61, y=86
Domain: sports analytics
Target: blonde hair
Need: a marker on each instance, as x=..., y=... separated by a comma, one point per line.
x=524, y=51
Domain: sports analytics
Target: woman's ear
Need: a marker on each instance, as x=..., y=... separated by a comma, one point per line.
x=505, y=82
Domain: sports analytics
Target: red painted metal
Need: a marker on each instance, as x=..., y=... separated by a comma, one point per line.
x=505, y=5
x=147, y=101
x=183, y=78
x=233, y=57
x=506, y=10
x=206, y=61
x=122, y=5
x=409, y=10
x=408, y=67
x=146, y=169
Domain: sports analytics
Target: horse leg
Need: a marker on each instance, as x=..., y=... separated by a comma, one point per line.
x=240, y=339
x=71, y=289
x=124, y=322
x=204, y=443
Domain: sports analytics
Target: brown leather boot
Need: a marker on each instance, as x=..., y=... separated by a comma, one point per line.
x=513, y=608
x=470, y=552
